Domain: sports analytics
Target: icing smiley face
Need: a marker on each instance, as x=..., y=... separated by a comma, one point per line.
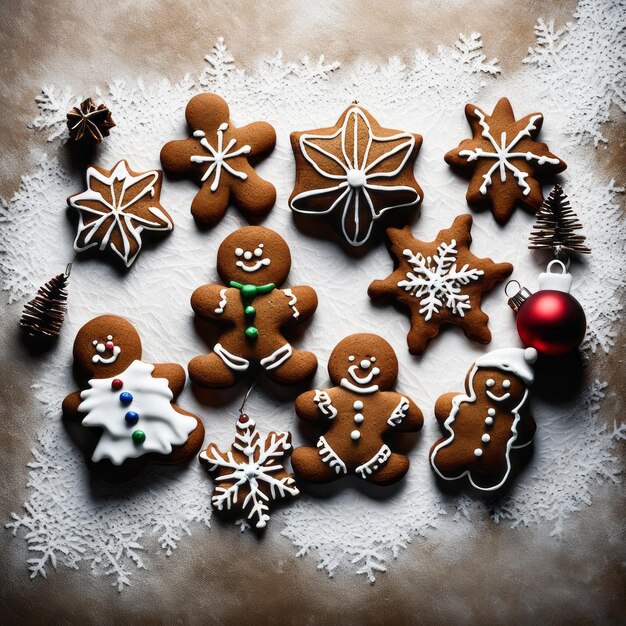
x=254, y=255
x=105, y=352
x=363, y=363
x=252, y=259
x=361, y=375
x=504, y=392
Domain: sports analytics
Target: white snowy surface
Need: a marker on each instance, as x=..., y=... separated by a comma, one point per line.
x=573, y=76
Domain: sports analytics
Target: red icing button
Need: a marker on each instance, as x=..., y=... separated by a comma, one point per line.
x=243, y=418
x=109, y=345
x=116, y=384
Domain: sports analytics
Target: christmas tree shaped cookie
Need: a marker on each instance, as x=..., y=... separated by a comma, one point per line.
x=130, y=401
x=440, y=282
x=504, y=160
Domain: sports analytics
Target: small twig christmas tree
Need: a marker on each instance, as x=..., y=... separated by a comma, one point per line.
x=43, y=315
x=556, y=225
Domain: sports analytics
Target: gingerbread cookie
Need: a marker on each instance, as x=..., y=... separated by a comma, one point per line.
x=503, y=160
x=116, y=208
x=89, y=121
x=219, y=157
x=355, y=171
x=253, y=262
x=488, y=421
x=130, y=401
x=360, y=411
x=440, y=282
x=250, y=475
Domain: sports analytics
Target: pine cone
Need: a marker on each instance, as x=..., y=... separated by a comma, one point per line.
x=43, y=315
x=89, y=121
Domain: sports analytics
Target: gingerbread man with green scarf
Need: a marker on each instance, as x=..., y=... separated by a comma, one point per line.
x=253, y=309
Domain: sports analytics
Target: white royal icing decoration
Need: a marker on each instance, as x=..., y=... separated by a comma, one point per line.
x=358, y=176
x=101, y=348
x=118, y=211
x=399, y=413
x=358, y=405
x=217, y=157
x=330, y=457
x=355, y=435
x=324, y=404
x=381, y=457
x=502, y=153
x=292, y=302
x=248, y=255
x=233, y=361
x=256, y=470
x=278, y=357
x=222, y=303
x=514, y=359
x=365, y=364
x=163, y=425
x=438, y=282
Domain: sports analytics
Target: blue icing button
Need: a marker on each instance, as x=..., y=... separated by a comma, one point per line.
x=131, y=417
x=125, y=397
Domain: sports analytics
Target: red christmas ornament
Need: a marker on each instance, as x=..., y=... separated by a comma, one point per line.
x=550, y=320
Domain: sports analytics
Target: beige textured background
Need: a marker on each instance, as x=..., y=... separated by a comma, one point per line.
x=503, y=574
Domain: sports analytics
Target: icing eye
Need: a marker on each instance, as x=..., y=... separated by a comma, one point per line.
x=238, y=252
x=261, y=245
x=373, y=359
x=506, y=383
x=95, y=342
x=109, y=337
x=258, y=252
x=490, y=382
x=351, y=358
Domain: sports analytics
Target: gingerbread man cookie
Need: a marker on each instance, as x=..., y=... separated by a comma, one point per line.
x=356, y=171
x=219, y=157
x=115, y=209
x=131, y=402
x=440, y=282
x=253, y=262
x=504, y=160
x=360, y=411
x=488, y=421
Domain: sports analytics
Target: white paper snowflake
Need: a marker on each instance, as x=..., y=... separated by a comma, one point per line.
x=252, y=468
x=439, y=281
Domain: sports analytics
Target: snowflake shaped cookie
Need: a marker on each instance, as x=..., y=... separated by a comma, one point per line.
x=355, y=171
x=440, y=282
x=250, y=475
x=504, y=160
x=115, y=209
x=218, y=157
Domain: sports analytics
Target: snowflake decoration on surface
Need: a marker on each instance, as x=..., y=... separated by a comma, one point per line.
x=217, y=156
x=250, y=474
x=439, y=281
x=362, y=179
x=116, y=207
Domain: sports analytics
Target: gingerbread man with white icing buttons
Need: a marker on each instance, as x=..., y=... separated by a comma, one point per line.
x=253, y=262
x=360, y=410
x=128, y=401
x=488, y=421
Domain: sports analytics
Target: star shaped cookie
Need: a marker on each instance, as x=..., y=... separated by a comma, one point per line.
x=503, y=160
x=115, y=209
x=354, y=172
x=440, y=282
x=218, y=157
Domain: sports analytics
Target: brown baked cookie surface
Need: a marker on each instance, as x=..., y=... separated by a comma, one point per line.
x=354, y=172
x=440, y=282
x=132, y=402
x=483, y=425
x=116, y=208
x=252, y=308
x=360, y=410
x=219, y=157
x=504, y=160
